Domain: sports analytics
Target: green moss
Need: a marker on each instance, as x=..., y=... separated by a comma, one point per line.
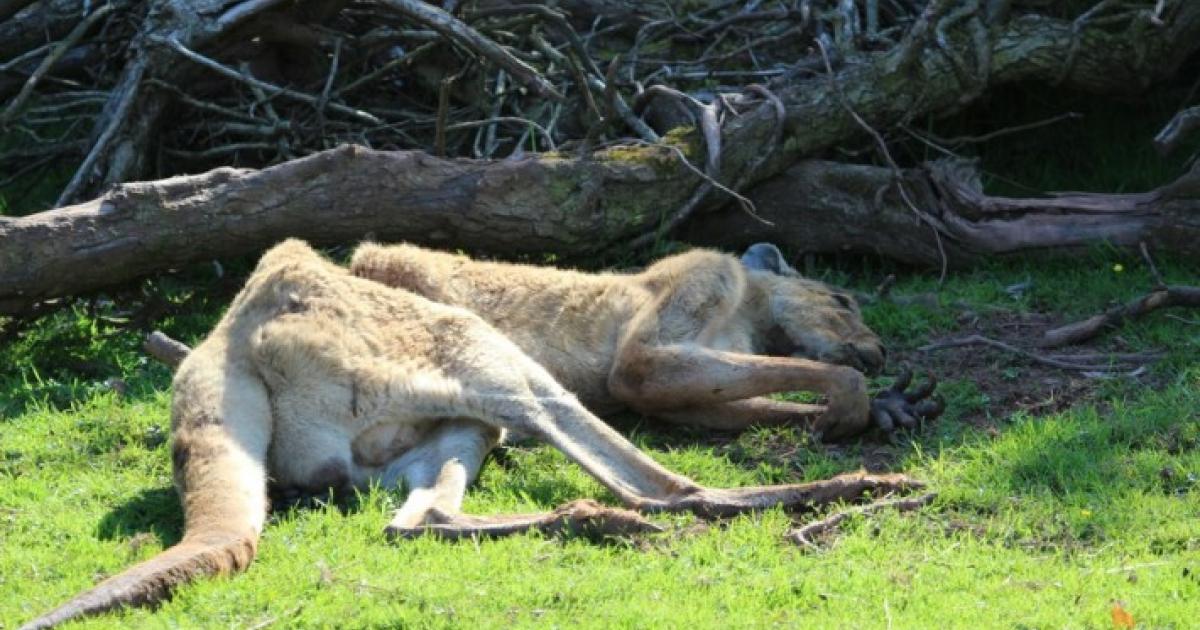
x=685, y=139
x=663, y=160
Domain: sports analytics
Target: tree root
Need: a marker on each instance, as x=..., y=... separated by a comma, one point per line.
x=1107, y=362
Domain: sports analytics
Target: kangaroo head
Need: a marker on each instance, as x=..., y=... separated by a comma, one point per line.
x=810, y=319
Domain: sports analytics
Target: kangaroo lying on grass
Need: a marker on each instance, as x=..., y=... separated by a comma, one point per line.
x=697, y=338
x=318, y=379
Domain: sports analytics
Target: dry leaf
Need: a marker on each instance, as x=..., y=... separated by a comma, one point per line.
x=1121, y=617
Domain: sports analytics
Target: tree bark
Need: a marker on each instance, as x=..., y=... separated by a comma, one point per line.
x=819, y=206
x=528, y=206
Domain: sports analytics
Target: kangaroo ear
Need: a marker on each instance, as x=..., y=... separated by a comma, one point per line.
x=766, y=257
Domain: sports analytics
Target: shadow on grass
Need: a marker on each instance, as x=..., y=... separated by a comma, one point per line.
x=158, y=512
x=155, y=511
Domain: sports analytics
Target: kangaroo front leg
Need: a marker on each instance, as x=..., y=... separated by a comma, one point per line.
x=654, y=379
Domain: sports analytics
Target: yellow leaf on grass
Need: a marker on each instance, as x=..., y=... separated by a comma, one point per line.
x=1121, y=617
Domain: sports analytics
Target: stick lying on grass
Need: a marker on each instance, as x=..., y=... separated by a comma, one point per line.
x=1161, y=297
x=803, y=536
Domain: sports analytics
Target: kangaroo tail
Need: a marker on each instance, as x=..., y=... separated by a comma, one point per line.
x=220, y=474
x=151, y=581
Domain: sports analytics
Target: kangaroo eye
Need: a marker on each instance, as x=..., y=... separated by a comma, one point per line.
x=843, y=300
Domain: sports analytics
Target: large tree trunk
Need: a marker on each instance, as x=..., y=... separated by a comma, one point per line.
x=342, y=195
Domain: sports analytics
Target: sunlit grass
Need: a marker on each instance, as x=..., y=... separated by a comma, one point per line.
x=1044, y=521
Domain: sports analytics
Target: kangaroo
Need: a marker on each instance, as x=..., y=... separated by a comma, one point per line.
x=697, y=338
x=318, y=379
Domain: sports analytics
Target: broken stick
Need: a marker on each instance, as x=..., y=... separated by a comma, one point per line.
x=1086, y=329
x=804, y=535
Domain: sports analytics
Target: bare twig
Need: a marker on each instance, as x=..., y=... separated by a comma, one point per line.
x=454, y=29
x=705, y=117
x=804, y=535
x=242, y=77
x=774, y=15
x=242, y=10
x=8, y=8
x=223, y=149
x=776, y=139
x=1076, y=36
x=19, y=60
x=885, y=288
x=613, y=99
x=385, y=68
x=1004, y=131
x=897, y=174
x=1154, y=274
x=56, y=53
x=324, y=98
x=443, y=108
x=472, y=124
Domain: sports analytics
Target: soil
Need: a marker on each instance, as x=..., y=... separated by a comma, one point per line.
x=1011, y=383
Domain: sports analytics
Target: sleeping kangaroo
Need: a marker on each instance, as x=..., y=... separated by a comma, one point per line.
x=697, y=338
x=315, y=379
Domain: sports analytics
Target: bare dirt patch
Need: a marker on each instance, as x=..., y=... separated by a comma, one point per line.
x=1008, y=382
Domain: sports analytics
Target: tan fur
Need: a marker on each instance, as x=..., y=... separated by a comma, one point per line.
x=320, y=379
x=684, y=340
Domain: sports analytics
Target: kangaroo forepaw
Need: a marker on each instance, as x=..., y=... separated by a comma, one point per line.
x=897, y=407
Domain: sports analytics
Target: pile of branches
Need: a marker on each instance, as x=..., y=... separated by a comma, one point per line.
x=194, y=85
x=538, y=127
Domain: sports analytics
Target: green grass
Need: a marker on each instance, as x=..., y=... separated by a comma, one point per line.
x=1041, y=521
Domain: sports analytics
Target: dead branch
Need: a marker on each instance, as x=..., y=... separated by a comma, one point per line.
x=857, y=207
x=533, y=205
x=165, y=349
x=804, y=535
x=50, y=59
x=1080, y=331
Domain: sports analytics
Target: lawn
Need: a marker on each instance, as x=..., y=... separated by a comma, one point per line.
x=1061, y=496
